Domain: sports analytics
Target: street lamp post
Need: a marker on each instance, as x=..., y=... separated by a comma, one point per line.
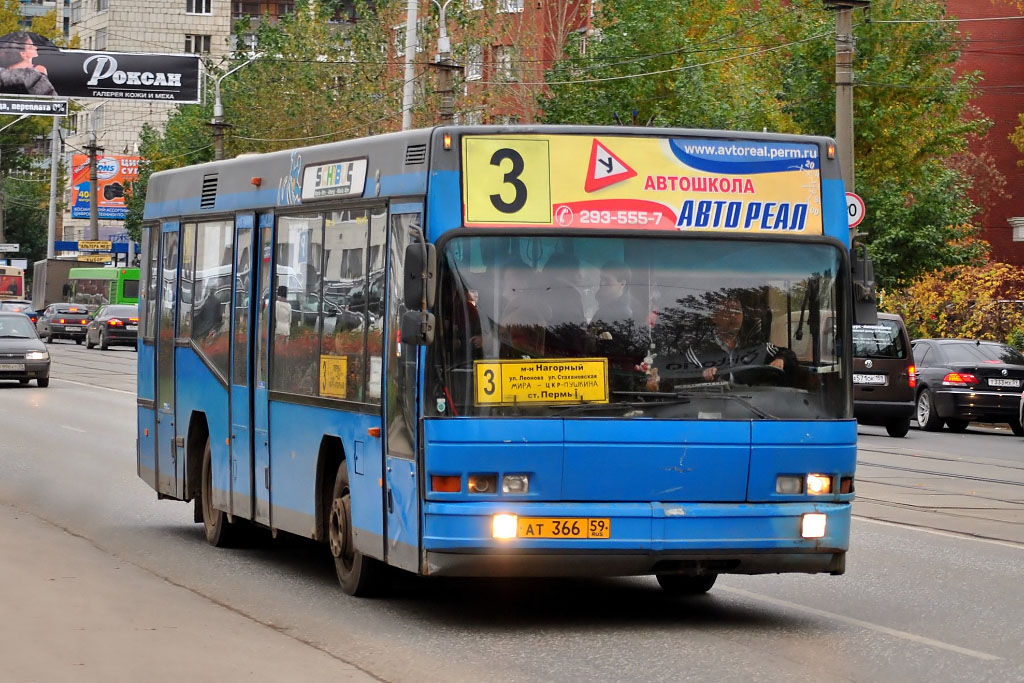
x=444, y=62
x=218, y=123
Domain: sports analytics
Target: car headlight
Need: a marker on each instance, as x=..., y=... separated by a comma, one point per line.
x=37, y=355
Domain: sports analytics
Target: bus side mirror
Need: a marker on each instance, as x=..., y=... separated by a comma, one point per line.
x=420, y=275
x=418, y=328
x=865, y=299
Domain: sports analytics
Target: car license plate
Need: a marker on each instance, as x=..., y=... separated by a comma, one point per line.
x=72, y=328
x=131, y=328
x=565, y=527
x=1000, y=382
x=859, y=378
x=17, y=367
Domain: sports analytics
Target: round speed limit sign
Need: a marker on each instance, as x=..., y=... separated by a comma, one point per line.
x=854, y=209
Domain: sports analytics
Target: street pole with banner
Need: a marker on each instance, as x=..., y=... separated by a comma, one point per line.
x=20, y=118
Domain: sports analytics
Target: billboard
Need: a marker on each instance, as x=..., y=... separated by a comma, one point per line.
x=32, y=65
x=113, y=173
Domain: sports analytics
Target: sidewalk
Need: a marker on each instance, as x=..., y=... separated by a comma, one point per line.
x=70, y=612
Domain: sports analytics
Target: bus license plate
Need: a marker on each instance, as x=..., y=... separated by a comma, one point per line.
x=17, y=367
x=999, y=382
x=859, y=378
x=565, y=527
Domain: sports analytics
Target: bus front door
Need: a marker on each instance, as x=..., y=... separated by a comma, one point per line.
x=260, y=384
x=167, y=470
x=241, y=369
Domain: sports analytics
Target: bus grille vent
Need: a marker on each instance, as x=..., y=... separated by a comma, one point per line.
x=415, y=154
x=209, y=196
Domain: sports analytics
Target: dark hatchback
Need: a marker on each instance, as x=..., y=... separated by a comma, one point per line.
x=19, y=306
x=63, y=321
x=113, y=325
x=963, y=380
x=884, y=376
x=23, y=356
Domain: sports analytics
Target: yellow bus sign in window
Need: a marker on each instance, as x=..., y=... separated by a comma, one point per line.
x=539, y=382
x=334, y=376
x=506, y=180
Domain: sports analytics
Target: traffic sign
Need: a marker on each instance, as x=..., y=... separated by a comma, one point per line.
x=605, y=168
x=10, y=247
x=96, y=258
x=854, y=209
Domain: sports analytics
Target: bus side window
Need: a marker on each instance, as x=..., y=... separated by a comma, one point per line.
x=401, y=370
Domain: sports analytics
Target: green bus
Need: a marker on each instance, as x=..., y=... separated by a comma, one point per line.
x=97, y=286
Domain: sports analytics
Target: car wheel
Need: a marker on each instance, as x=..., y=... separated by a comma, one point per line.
x=358, y=575
x=104, y=342
x=926, y=417
x=219, y=532
x=674, y=584
x=88, y=342
x=49, y=337
x=958, y=426
x=43, y=382
x=78, y=340
x=1017, y=428
x=898, y=428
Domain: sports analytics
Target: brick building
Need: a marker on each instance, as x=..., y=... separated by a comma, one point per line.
x=996, y=48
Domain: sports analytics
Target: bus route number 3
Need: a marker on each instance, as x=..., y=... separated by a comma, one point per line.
x=506, y=180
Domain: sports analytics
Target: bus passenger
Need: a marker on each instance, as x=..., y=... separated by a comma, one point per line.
x=568, y=323
x=523, y=316
x=282, y=313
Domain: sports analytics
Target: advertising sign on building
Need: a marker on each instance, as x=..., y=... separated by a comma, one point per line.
x=113, y=173
x=32, y=65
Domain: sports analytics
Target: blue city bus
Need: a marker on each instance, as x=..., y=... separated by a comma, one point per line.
x=510, y=351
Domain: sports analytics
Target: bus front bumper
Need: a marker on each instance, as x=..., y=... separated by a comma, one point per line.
x=645, y=538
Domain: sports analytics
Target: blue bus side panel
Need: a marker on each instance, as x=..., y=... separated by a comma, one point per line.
x=656, y=460
x=199, y=391
x=296, y=433
x=835, y=219
x=444, y=203
x=146, y=361
x=800, y=448
x=146, y=456
x=241, y=454
x=496, y=446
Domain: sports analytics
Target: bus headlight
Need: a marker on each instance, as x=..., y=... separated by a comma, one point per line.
x=504, y=525
x=819, y=484
x=812, y=525
x=515, y=483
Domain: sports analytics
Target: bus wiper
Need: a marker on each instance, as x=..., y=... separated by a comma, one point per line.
x=576, y=408
x=686, y=396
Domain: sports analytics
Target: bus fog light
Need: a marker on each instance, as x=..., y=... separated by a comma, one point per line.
x=483, y=483
x=813, y=525
x=504, y=526
x=819, y=484
x=515, y=483
x=788, y=485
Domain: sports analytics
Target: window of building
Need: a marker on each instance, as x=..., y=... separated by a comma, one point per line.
x=505, y=64
x=399, y=39
x=475, y=4
x=474, y=117
x=474, y=62
x=245, y=9
x=198, y=6
x=101, y=39
x=197, y=44
x=101, y=5
x=510, y=5
x=76, y=12
x=1017, y=223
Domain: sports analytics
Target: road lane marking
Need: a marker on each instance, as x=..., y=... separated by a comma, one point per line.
x=939, y=532
x=74, y=429
x=93, y=386
x=878, y=628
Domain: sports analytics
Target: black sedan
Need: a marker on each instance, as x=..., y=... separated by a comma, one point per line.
x=964, y=380
x=23, y=357
x=20, y=306
x=113, y=325
x=63, y=321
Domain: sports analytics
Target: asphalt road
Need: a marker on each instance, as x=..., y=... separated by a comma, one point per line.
x=931, y=593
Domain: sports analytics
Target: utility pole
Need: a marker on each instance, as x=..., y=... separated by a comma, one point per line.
x=51, y=217
x=218, y=124
x=448, y=69
x=2, y=238
x=94, y=208
x=408, y=91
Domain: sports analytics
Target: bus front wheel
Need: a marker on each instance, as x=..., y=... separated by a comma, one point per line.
x=358, y=575
x=676, y=584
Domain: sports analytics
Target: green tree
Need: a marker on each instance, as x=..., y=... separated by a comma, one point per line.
x=770, y=64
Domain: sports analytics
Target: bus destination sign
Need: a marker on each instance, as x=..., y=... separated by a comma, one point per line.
x=539, y=382
x=686, y=184
x=336, y=179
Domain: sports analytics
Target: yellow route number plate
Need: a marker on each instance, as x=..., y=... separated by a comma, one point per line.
x=564, y=527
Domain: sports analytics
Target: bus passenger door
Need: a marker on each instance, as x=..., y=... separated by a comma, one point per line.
x=166, y=460
x=402, y=494
x=241, y=368
x=260, y=384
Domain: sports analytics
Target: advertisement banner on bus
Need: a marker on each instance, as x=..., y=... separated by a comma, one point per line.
x=113, y=174
x=687, y=184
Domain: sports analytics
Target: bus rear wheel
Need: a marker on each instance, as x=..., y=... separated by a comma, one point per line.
x=676, y=584
x=219, y=532
x=358, y=575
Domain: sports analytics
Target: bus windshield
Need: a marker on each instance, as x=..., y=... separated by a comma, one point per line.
x=641, y=326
